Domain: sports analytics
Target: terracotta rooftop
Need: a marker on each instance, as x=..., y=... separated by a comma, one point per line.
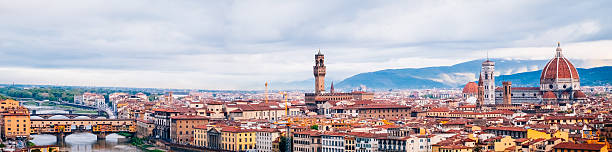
x=506, y=128
x=568, y=145
x=189, y=117
x=559, y=67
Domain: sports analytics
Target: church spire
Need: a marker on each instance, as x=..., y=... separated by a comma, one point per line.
x=331, y=89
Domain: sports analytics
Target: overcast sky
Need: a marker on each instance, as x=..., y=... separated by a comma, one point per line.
x=241, y=44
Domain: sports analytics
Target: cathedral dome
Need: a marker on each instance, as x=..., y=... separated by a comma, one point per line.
x=549, y=95
x=559, y=70
x=470, y=88
x=579, y=94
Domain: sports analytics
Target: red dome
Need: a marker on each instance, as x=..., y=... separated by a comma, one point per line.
x=579, y=94
x=470, y=88
x=549, y=95
x=559, y=67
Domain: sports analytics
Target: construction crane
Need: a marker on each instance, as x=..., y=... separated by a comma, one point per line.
x=266, y=93
x=288, y=122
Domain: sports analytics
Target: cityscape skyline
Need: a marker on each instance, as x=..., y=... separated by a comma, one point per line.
x=305, y=76
x=240, y=45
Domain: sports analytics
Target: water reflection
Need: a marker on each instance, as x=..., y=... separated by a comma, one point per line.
x=86, y=142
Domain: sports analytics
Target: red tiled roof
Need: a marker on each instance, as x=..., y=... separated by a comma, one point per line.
x=568, y=145
x=267, y=130
x=439, y=110
x=201, y=127
x=568, y=117
x=382, y=106
x=189, y=117
x=468, y=106
x=506, y=128
x=366, y=134
x=559, y=67
x=308, y=132
x=235, y=129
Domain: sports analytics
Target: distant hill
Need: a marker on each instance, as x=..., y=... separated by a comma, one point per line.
x=588, y=77
x=521, y=72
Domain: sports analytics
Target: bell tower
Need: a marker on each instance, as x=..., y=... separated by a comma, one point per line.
x=488, y=81
x=319, y=73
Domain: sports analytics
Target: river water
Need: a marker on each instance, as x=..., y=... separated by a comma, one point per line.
x=86, y=142
x=81, y=142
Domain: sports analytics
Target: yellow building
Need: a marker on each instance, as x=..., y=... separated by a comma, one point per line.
x=457, y=148
x=237, y=139
x=8, y=104
x=568, y=119
x=504, y=143
x=200, y=136
x=534, y=134
x=47, y=148
x=16, y=123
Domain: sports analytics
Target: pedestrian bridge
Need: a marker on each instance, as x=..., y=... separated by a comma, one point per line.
x=99, y=127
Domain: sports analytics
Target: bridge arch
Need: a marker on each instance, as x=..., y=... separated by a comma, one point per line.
x=58, y=117
x=36, y=117
x=82, y=117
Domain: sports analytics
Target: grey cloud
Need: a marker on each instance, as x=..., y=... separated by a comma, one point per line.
x=276, y=39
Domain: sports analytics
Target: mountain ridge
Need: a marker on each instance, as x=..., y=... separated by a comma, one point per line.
x=454, y=76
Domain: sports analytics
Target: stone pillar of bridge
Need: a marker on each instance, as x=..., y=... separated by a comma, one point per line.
x=101, y=113
x=101, y=135
x=60, y=138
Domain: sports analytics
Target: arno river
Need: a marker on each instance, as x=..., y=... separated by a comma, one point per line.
x=86, y=142
x=81, y=142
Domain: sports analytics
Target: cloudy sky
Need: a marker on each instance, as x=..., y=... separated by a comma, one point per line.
x=242, y=44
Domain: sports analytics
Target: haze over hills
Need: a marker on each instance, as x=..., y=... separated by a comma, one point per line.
x=520, y=72
x=598, y=76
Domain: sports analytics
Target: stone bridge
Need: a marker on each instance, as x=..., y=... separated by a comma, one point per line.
x=38, y=103
x=70, y=114
x=99, y=127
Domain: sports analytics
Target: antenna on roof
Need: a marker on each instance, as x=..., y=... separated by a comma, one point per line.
x=487, y=55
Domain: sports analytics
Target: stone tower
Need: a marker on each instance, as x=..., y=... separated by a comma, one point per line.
x=319, y=73
x=480, y=99
x=507, y=92
x=488, y=81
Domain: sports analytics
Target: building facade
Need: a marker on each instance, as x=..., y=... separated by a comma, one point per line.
x=237, y=139
x=162, y=121
x=200, y=136
x=307, y=141
x=16, y=123
x=265, y=137
x=182, y=127
x=144, y=128
x=332, y=142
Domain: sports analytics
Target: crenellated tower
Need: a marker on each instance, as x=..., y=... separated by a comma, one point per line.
x=319, y=73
